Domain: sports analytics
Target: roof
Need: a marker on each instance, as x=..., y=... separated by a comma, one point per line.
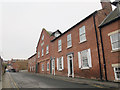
x=32, y=56
x=74, y=26
x=115, y=2
x=49, y=32
x=114, y=15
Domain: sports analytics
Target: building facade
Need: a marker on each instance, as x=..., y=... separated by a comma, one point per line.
x=32, y=63
x=78, y=51
x=110, y=36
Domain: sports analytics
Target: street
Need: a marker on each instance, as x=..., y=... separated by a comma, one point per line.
x=28, y=80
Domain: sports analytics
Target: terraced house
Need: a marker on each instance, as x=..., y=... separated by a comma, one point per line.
x=77, y=52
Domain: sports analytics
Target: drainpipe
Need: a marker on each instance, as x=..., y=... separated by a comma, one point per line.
x=97, y=46
x=103, y=55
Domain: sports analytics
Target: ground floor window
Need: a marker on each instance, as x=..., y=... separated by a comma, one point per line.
x=48, y=66
x=84, y=59
x=42, y=67
x=60, y=64
x=117, y=73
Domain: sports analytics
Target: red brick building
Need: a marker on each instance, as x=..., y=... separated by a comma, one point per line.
x=77, y=52
x=110, y=39
x=32, y=63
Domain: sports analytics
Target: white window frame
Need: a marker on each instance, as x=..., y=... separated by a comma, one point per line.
x=117, y=41
x=59, y=45
x=58, y=64
x=48, y=66
x=42, y=67
x=82, y=29
x=69, y=40
x=47, y=49
x=42, y=52
x=38, y=54
x=115, y=73
x=80, y=59
x=42, y=37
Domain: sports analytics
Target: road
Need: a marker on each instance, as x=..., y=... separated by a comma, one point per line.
x=28, y=80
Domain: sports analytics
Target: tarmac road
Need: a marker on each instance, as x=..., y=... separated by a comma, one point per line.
x=28, y=80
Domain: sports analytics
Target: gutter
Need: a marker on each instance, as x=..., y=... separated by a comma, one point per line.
x=97, y=47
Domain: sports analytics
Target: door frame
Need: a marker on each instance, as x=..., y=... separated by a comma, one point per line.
x=53, y=68
x=68, y=61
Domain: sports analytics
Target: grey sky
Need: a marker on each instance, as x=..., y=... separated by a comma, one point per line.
x=21, y=22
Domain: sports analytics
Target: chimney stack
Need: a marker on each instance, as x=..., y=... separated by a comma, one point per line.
x=106, y=6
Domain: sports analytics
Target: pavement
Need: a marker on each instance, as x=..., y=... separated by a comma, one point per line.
x=96, y=83
x=7, y=81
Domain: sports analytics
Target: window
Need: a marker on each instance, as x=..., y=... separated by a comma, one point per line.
x=84, y=58
x=38, y=54
x=42, y=67
x=69, y=42
x=47, y=49
x=42, y=51
x=117, y=73
x=60, y=64
x=42, y=37
x=48, y=66
x=59, y=45
x=82, y=34
x=115, y=41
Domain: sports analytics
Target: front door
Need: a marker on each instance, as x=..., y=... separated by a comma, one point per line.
x=70, y=65
x=53, y=66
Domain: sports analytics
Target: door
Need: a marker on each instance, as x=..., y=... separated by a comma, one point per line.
x=70, y=66
x=53, y=66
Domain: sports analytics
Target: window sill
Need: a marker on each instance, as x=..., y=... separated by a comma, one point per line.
x=116, y=80
x=60, y=51
x=60, y=70
x=69, y=47
x=47, y=70
x=82, y=42
x=117, y=50
x=85, y=68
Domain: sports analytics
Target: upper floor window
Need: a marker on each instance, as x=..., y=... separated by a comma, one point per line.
x=59, y=45
x=42, y=37
x=38, y=54
x=69, y=41
x=115, y=41
x=82, y=35
x=60, y=64
x=84, y=58
x=42, y=67
x=47, y=49
x=42, y=51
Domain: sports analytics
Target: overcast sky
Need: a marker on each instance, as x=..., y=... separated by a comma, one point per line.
x=21, y=22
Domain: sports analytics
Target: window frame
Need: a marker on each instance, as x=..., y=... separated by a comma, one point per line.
x=80, y=35
x=42, y=67
x=58, y=63
x=59, y=45
x=47, y=49
x=112, y=42
x=42, y=52
x=116, y=78
x=48, y=66
x=80, y=59
x=69, y=40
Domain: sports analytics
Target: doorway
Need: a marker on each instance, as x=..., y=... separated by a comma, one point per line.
x=70, y=65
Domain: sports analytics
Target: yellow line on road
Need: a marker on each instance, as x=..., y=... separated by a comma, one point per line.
x=14, y=82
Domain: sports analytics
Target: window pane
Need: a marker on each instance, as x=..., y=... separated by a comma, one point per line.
x=115, y=45
x=82, y=30
x=114, y=37
x=82, y=38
